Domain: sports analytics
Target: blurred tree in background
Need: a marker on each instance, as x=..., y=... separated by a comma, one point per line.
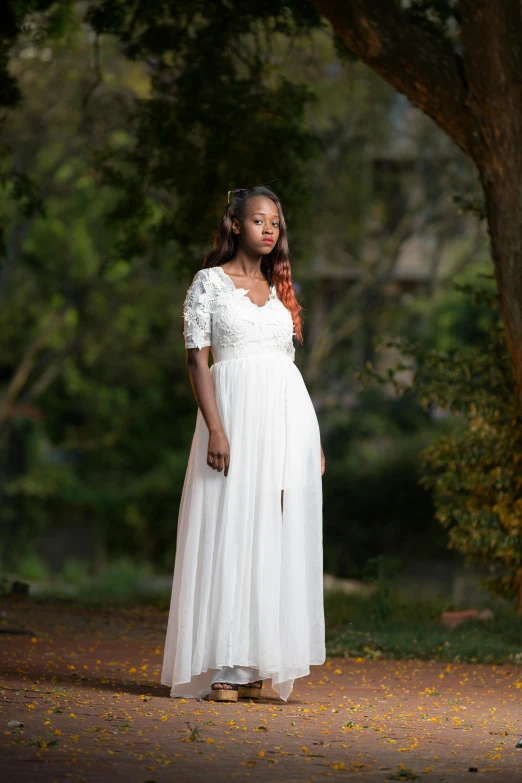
x=135, y=121
x=96, y=413
x=85, y=359
x=459, y=61
x=221, y=114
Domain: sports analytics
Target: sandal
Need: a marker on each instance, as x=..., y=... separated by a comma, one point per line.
x=224, y=694
x=250, y=691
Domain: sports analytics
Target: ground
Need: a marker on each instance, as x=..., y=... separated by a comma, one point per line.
x=84, y=685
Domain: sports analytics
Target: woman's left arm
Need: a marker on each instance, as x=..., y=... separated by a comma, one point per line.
x=323, y=465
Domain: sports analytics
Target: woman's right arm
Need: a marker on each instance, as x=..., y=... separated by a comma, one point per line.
x=198, y=339
x=218, y=454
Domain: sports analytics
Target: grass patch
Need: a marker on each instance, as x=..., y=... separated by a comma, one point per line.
x=406, y=627
x=122, y=583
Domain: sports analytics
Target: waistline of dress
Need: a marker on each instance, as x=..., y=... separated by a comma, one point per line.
x=256, y=357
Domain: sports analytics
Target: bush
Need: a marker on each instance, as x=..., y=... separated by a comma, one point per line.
x=32, y=567
x=473, y=472
x=373, y=503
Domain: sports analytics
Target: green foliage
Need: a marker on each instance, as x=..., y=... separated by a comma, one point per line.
x=403, y=773
x=441, y=18
x=194, y=735
x=116, y=186
x=372, y=497
x=474, y=472
x=355, y=609
x=103, y=418
x=470, y=205
x=23, y=18
x=452, y=322
x=114, y=190
x=39, y=742
x=220, y=114
x=24, y=23
x=382, y=571
x=120, y=581
x=32, y=567
x=75, y=572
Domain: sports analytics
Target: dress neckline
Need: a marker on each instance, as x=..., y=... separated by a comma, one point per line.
x=259, y=307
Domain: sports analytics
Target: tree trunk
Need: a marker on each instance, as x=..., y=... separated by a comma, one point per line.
x=492, y=49
x=504, y=211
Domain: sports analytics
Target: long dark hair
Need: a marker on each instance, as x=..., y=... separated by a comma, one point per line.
x=275, y=265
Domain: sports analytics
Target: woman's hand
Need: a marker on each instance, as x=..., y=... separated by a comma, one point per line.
x=218, y=454
x=323, y=463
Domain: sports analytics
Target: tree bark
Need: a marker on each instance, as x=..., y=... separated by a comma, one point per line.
x=424, y=68
x=492, y=46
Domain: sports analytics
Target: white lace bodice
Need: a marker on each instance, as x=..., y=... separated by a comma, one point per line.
x=218, y=314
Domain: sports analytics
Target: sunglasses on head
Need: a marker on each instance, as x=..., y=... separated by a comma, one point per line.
x=236, y=190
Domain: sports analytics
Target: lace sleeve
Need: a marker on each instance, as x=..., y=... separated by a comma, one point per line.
x=197, y=319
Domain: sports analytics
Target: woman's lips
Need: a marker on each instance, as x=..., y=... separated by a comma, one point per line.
x=268, y=241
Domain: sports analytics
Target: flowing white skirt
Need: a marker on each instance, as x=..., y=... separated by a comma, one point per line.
x=248, y=574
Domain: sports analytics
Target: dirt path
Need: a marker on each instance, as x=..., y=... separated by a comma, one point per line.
x=84, y=686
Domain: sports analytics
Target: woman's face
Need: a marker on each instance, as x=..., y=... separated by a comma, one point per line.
x=259, y=231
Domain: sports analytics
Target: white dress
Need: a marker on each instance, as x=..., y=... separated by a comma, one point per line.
x=248, y=574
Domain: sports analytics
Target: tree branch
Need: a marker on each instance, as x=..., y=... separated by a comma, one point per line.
x=427, y=70
x=23, y=371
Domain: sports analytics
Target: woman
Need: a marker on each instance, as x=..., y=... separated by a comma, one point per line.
x=247, y=596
